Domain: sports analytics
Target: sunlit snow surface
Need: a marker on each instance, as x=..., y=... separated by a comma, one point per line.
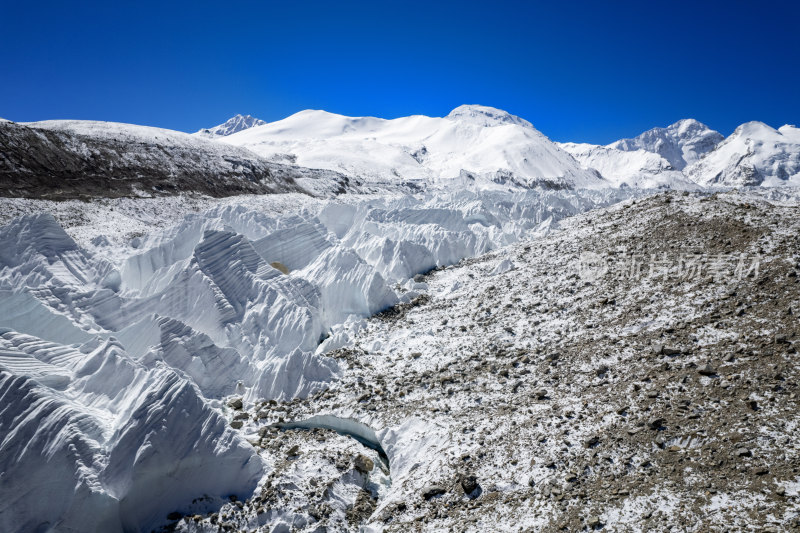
x=116, y=353
x=472, y=144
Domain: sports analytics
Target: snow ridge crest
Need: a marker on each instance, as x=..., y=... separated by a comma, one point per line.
x=486, y=116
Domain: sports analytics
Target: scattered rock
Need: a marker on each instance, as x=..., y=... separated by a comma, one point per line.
x=591, y=442
x=431, y=491
x=277, y=265
x=293, y=451
x=743, y=452
x=658, y=349
x=362, y=509
x=706, y=370
x=469, y=483
x=236, y=404
x=363, y=464
x=594, y=522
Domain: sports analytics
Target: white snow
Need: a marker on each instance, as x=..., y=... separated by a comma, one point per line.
x=688, y=154
x=634, y=168
x=471, y=143
x=755, y=154
x=108, y=443
x=681, y=143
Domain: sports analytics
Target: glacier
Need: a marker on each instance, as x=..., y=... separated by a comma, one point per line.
x=117, y=360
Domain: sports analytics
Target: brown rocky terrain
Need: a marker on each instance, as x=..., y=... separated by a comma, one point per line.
x=546, y=398
x=51, y=161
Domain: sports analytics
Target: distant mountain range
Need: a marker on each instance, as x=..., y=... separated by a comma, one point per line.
x=493, y=148
x=689, y=152
x=473, y=147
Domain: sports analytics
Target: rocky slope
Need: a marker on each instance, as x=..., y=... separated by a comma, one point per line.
x=528, y=390
x=84, y=159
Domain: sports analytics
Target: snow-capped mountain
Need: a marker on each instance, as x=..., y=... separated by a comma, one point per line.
x=232, y=125
x=754, y=154
x=681, y=143
x=688, y=154
x=635, y=168
x=653, y=159
x=474, y=145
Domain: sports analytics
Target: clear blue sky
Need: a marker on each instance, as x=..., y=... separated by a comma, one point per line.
x=583, y=71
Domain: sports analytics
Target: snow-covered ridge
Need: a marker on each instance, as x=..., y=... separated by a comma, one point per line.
x=681, y=143
x=688, y=154
x=486, y=116
x=232, y=125
x=475, y=146
x=634, y=168
x=754, y=154
x=115, y=360
x=481, y=147
x=655, y=158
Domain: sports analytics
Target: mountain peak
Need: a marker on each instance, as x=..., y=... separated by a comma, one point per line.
x=754, y=154
x=232, y=125
x=486, y=116
x=681, y=143
x=688, y=127
x=754, y=128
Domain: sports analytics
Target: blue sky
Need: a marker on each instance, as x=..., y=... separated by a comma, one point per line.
x=582, y=71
